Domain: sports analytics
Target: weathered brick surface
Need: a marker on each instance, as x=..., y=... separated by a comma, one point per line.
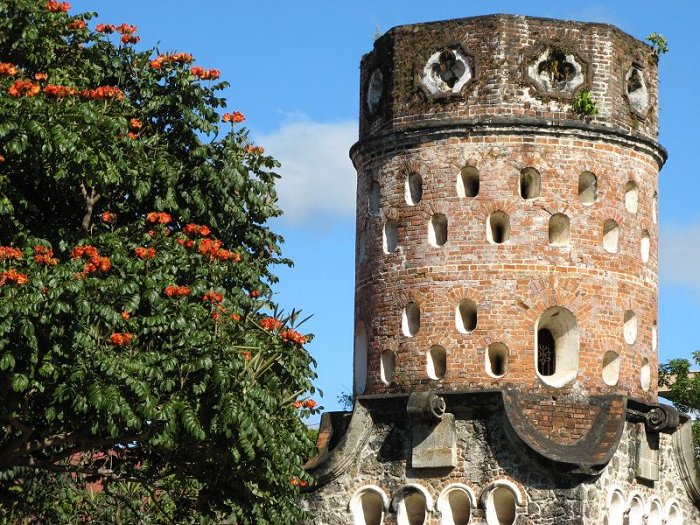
x=514, y=282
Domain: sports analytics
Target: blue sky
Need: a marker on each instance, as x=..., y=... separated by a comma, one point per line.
x=294, y=72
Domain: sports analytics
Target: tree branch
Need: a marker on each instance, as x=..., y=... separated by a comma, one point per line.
x=90, y=201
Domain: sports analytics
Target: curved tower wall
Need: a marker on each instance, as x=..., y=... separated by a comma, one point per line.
x=489, y=211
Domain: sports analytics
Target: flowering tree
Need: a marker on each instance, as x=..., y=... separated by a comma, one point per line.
x=134, y=265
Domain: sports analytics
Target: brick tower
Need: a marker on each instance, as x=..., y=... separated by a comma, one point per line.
x=506, y=286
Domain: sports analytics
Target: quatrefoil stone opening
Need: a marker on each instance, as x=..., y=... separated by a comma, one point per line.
x=556, y=72
x=446, y=72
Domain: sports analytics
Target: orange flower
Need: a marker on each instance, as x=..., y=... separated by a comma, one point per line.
x=84, y=251
x=135, y=123
x=270, y=323
x=205, y=74
x=24, y=88
x=132, y=135
x=77, y=24
x=8, y=252
x=195, y=229
x=234, y=117
x=159, y=217
x=41, y=76
x=102, y=93
x=57, y=7
x=8, y=69
x=109, y=217
x=145, y=253
x=254, y=293
x=293, y=336
x=299, y=482
x=255, y=150
x=14, y=276
x=105, y=28
x=216, y=316
x=130, y=39
x=212, y=297
x=310, y=404
x=126, y=29
x=53, y=90
x=176, y=291
x=121, y=339
x=2, y=158
x=44, y=255
x=126, y=315
x=235, y=317
x=247, y=356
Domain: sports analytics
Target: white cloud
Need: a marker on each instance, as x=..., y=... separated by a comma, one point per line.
x=679, y=256
x=318, y=178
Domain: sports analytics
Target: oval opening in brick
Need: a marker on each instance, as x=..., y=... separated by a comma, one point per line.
x=497, y=360
x=387, y=366
x=616, y=508
x=414, y=188
x=645, y=375
x=674, y=515
x=455, y=507
x=468, y=182
x=501, y=507
x=374, y=198
x=437, y=230
x=556, y=346
x=587, y=188
x=530, y=183
x=411, y=509
x=374, y=91
x=635, y=515
x=390, y=237
x=611, y=368
x=367, y=508
x=656, y=513
x=410, y=320
x=360, y=360
x=437, y=362
x=645, y=246
x=466, y=316
x=611, y=236
x=654, y=336
x=498, y=227
x=559, y=230
x=655, y=207
x=631, y=196
x=630, y=327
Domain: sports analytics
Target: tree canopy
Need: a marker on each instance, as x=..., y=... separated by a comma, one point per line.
x=138, y=339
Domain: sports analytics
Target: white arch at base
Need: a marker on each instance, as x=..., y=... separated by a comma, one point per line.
x=443, y=503
x=615, y=509
x=356, y=508
x=671, y=506
x=397, y=499
x=487, y=496
x=652, y=518
x=635, y=514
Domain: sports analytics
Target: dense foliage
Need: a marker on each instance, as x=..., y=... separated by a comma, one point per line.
x=135, y=267
x=684, y=387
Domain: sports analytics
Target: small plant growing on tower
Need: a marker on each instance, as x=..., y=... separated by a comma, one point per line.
x=584, y=105
x=658, y=43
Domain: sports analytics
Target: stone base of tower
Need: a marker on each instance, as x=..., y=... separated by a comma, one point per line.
x=398, y=461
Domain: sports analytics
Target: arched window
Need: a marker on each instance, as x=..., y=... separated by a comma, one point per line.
x=390, y=238
x=374, y=198
x=437, y=230
x=631, y=196
x=497, y=360
x=559, y=230
x=437, y=362
x=465, y=316
x=412, y=505
x=368, y=506
x=530, y=183
x=414, y=188
x=611, y=236
x=410, y=320
x=387, y=366
x=498, y=227
x=556, y=346
x=587, y=188
x=468, y=182
x=455, y=505
x=616, y=508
